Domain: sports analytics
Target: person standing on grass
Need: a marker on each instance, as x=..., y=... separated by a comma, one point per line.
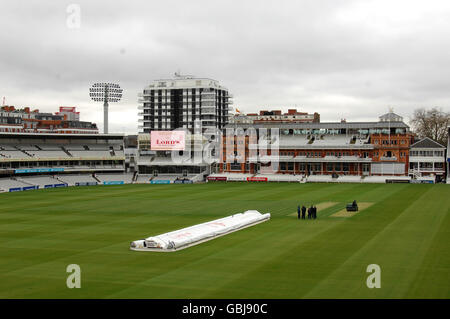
x=315, y=212
x=298, y=211
x=303, y=211
x=309, y=212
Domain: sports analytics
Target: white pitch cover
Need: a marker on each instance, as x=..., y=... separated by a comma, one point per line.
x=193, y=235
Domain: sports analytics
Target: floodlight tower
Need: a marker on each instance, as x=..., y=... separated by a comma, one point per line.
x=105, y=92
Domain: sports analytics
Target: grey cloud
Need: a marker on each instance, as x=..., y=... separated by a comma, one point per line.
x=348, y=59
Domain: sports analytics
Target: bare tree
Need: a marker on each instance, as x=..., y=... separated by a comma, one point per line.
x=431, y=123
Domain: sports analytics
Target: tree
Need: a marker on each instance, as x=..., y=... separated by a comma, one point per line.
x=431, y=123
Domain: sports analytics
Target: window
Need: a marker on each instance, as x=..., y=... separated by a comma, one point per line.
x=235, y=166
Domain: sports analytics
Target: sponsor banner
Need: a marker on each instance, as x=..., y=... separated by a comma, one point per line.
x=15, y=189
x=161, y=181
x=257, y=179
x=389, y=181
x=55, y=185
x=113, y=183
x=167, y=140
x=38, y=170
x=187, y=181
x=216, y=178
x=236, y=179
x=424, y=181
x=86, y=184
x=28, y=188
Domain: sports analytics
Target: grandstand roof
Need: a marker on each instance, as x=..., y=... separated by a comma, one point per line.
x=322, y=125
x=9, y=134
x=9, y=137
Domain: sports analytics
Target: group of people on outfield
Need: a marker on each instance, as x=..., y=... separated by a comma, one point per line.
x=312, y=212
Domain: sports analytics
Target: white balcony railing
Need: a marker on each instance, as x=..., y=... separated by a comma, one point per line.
x=426, y=169
x=386, y=158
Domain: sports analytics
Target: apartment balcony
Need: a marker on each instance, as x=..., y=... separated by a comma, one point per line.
x=388, y=159
x=208, y=111
x=425, y=159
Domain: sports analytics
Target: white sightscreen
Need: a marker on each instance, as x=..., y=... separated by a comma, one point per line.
x=388, y=168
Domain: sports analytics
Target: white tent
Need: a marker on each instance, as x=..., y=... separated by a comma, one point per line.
x=193, y=235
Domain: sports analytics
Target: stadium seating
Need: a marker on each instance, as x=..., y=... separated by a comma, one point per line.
x=49, y=147
x=49, y=151
x=90, y=154
x=27, y=147
x=126, y=178
x=72, y=179
x=40, y=181
x=7, y=183
x=164, y=177
x=99, y=147
x=13, y=154
x=195, y=177
x=49, y=154
x=75, y=147
x=319, y=178
x=143, y=178
x=5, y=147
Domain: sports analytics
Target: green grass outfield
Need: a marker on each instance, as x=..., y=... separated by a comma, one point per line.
x=406, y=232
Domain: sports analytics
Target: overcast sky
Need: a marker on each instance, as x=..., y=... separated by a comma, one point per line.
x=343, y=59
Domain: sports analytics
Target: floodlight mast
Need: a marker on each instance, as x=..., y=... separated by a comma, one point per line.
x=105, y=111
x=106, y=92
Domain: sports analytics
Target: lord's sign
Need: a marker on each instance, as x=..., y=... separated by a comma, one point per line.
x=167, y=140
